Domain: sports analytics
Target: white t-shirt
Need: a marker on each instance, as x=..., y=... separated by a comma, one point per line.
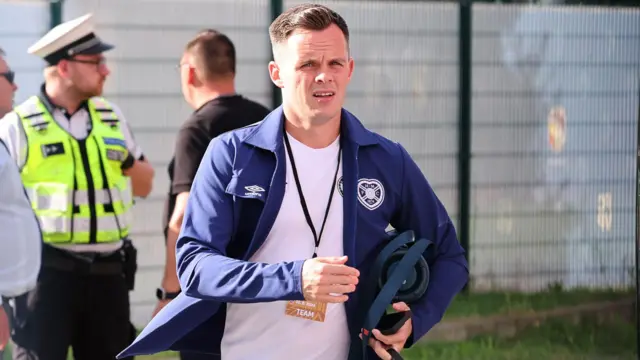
x=262, y=330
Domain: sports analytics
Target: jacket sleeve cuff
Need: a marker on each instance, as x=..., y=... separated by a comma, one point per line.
x=297, y=278
x=411, y=339
x=419, y=328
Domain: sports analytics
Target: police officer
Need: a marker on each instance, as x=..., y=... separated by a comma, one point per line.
x=81, y=169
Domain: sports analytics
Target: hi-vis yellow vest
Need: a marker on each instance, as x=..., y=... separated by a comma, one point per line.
x=76, y=187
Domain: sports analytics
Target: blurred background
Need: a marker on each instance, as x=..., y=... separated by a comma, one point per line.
x=522, y=115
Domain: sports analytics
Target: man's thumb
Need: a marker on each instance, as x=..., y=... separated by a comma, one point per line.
x=333, y=259
x=401, y=306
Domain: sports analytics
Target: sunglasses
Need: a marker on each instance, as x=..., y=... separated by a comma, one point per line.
x=9, y=75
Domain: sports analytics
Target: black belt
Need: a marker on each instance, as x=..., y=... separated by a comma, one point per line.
x=400, y=273
x=93, y=263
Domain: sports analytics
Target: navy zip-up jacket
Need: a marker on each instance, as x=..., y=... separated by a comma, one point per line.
x=227, y=220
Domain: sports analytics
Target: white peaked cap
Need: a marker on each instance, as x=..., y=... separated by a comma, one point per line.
x=70, y=38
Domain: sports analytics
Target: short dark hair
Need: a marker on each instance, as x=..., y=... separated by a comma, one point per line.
x=313, y=17
x=213, y=54
x=2, y=53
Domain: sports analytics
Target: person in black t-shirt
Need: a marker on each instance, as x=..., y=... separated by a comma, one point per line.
x=207, y=72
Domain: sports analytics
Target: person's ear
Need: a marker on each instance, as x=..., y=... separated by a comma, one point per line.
x=274, y=73
x=192, y=77
x=63, y=68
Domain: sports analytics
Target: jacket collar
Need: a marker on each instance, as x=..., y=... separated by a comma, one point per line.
x=268, y=134
x=50, y=106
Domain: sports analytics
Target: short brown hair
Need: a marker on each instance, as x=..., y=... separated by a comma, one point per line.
x=213, y=54
x=312, y=17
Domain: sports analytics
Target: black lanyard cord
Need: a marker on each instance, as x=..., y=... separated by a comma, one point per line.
x=303, y=202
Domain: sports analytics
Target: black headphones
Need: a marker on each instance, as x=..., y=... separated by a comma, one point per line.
x=400, y=273
x=417, y=280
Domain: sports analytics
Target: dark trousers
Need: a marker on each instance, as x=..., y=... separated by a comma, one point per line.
x=75, y=303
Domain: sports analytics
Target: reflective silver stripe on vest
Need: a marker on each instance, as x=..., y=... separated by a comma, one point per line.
x=82, y=197
x=104, y=110
x=32, y=113
x=108, y=116
x=103, y=196
x=59, y=202
x=100, y=103
x=30, y=107
x=123, y=196
x=52, y=224
x=36, y=121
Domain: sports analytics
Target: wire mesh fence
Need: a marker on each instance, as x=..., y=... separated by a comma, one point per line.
x=554, y=112
x=555, y=99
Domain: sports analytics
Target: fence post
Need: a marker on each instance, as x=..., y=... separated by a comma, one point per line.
x=464, y=125
x=637, y=242
x=55, y=13
x=276, y=95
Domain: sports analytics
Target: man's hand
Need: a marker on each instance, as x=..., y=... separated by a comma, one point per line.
x=327, y=279
x=161, y=304
x=4, y=329
x=141, y=174
x=380, y=343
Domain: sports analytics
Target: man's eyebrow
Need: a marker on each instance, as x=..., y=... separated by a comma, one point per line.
x=315, y=60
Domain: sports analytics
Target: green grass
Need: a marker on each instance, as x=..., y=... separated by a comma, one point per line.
x=493, y=303
x=554, y=340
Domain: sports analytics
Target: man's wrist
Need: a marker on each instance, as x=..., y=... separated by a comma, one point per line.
x=128, y=162
x=299, y=277
x=170, y=284
x=410, y=340
x=162, y=294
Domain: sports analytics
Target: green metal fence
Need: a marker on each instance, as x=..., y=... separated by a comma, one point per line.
x=523, y=118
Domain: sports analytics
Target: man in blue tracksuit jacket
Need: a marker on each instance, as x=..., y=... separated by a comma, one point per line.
x=238, y=255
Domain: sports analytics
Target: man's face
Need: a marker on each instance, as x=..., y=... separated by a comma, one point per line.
x=313, y=68
x=7, y=88
x=88, y=74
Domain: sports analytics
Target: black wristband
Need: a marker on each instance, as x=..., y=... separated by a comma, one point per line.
x=128, y=162
x=161, y=294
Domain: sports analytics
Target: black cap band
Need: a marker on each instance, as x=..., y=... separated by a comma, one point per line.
x=89, y=44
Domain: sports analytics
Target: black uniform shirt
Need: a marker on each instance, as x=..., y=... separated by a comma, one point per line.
x=222, y=114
